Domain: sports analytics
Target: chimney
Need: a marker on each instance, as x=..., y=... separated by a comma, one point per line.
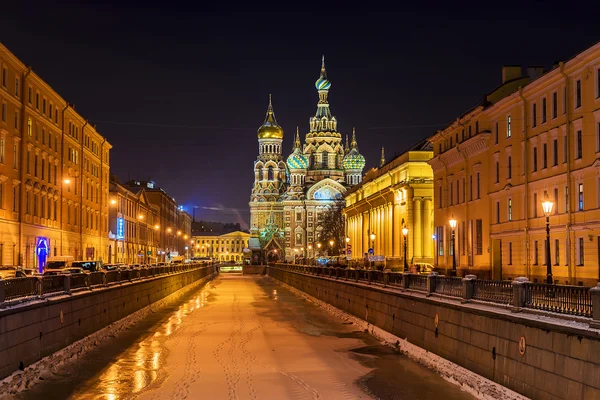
x=510, y=72
x=534, y=72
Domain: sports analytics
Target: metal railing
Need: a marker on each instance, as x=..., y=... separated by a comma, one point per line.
x=20, y=287
x=79, y=281
x=572, y=300
x=16, y=288
x=53, y=284
x=448, y=285
x=493, y=291
x=563, y=299
x=416, y=282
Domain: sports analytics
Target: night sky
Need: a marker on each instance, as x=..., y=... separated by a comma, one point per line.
x=180, y=91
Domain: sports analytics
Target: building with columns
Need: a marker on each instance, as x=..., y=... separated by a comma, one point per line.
x=398, y=194
x=225, y=247
x=54, y=171
x=534, y=138
x=289, y=198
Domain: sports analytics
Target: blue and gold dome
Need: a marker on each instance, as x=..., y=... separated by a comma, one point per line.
x=323, y=83
x=297, y=160
x=269, y=129
x=353, y=160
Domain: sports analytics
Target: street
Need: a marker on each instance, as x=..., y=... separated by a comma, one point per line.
x=243, y=337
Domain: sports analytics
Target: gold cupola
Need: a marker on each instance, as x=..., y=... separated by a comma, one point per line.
x=270, y=129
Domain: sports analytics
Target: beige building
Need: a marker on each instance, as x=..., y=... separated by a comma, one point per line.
x=222, y=247
x=535, y=137
x=398, y=194
x=54, y=169
x=133, y=226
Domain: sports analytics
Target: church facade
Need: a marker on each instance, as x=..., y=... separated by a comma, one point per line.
x=290, y=197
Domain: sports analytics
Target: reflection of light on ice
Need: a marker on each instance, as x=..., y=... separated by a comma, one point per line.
x=155, y=360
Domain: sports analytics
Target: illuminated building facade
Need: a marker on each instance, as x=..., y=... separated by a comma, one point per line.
x=535, y=137
x=397, y=195
x=289, y=197
x=54, y=170
x=133, y=226
x=174, y=225
x=221, y=246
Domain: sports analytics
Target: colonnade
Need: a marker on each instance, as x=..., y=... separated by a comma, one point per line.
x=386, y=222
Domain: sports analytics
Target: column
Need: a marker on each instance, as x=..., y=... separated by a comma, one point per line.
x=428, y=228
x=418, y=228
x=397, y=229
x=389, y=251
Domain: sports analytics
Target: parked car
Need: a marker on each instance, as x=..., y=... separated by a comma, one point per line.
x=63, y=271
x=87, y=266
x=110, y=267
x=9, y=272
x=58, y=262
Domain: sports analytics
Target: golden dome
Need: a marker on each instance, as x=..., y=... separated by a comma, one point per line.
x=270, y=129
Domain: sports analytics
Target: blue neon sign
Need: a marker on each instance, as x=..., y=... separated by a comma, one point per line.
x=120, y=229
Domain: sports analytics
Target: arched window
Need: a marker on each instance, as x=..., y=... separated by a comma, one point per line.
x=270, y=174
x=260, y=173
x=324, y=159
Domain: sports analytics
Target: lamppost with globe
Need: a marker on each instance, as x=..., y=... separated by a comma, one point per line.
x=405, y=234
x=547, y=205
x=453, y=226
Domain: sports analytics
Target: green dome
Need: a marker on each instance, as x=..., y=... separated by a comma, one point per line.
x=297, y=160
x=353, y=160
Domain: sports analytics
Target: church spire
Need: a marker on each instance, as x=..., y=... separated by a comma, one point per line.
x=297, y=143
x=346, y=147
x=382, y=156
x=354, y=144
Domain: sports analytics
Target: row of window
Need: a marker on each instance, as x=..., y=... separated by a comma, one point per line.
x=555, y=252
x=536, y=203
x=475, y=228
x=457, y=193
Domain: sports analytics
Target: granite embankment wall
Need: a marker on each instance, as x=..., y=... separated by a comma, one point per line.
x=29, y=332
x=560, y=358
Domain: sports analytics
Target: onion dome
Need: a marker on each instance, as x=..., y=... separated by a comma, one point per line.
x=353, y=160
x=323, y=83
x=270, y=129
x=297, y=160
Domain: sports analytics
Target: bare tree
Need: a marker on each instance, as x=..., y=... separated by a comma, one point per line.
x=332, y=227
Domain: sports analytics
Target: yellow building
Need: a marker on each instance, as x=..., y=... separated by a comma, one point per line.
x=535, y=137
x=54, y=170
x=398, y=194
x=221, y=247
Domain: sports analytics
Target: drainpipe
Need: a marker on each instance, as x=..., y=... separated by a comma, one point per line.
x=62, y=174
x=80, y=165
x=526, y=150
x=569, y=178
x=23, y=167
x=101, y=200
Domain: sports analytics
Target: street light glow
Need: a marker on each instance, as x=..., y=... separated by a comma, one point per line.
x=405, y=231
x=547, y=206
x=113, y=201
x=156, y=226
x=347, y=240
x=319, y=245
x=67, y=181
x=452, y=223
x=169, y=230
x=331, y=243
x=372, y=236
x=179, y=233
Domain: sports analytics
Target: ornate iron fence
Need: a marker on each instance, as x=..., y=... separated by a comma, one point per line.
x=20, y=287
x=416, y=282
x=448, y=285
x=79, y=281
x=53, y=283
x=493, y=291
x=572, y=300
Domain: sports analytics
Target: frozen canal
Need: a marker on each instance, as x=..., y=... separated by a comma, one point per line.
x=243, y=337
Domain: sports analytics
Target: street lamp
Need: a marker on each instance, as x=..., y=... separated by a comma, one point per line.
x=453, y=226
x=405, y=234
x=547, y=206
x=295, y=255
